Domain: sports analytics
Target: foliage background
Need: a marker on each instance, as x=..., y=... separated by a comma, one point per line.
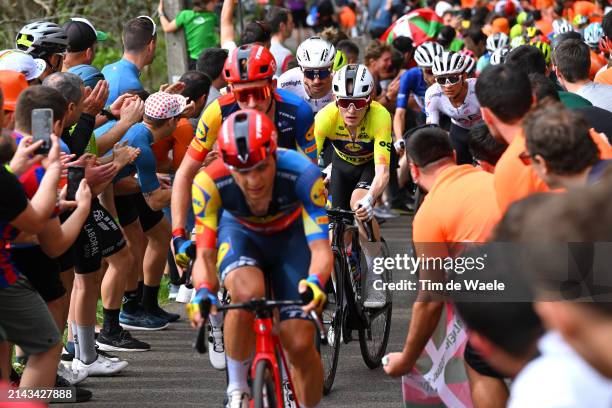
x=106, y=15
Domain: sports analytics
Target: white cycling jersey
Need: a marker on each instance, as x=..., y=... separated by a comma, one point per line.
x=465, y=116
x=292, y=81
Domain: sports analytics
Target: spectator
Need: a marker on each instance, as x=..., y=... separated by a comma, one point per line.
x=475, y=41
x=605, y=75
x=200, y=25
x=139, y=44
x=572, y=62
x=562, y=152
x=19, y=61
x=257, y=32
x=405, y=46
x=12, y=85
x=82, y=40
x=281, y=22
x=333, y=35
x=485, y=149
x=380, y=13
x=211, y=63
x=44, y=40
x=350, y=50
x=298, y=12
x=378, y=60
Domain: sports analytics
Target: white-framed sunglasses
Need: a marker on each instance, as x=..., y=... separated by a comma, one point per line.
x=152, y=22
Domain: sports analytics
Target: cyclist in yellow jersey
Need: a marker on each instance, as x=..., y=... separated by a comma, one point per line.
x=360, y=132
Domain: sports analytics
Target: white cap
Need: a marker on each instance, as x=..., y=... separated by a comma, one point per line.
x=19, y=61
x=442, y=7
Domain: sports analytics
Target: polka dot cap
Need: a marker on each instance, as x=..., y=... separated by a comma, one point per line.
x=162, y=105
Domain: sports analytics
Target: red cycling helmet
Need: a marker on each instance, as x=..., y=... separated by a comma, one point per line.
x=249, y=63
x=246, y=138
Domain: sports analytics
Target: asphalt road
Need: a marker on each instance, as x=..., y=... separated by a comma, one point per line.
x=173, y=375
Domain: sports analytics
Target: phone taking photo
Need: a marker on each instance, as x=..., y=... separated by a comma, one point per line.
x=75, y=175
x=42, y=127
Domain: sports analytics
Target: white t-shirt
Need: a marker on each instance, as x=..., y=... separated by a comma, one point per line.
x=292, y=81
x=465, y=116
x=559, y=378
x=599, y=95
x=282, y=55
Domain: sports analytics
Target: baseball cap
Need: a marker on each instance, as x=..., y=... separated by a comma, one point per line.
x=162, y=105
x=19, y=61
x=500, y=25
x=12, y=84
x=90, y=75
x=82, y=34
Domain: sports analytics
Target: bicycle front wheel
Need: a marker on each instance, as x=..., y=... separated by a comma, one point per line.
x=332, y=323
x=374, y=338
x=264, y=386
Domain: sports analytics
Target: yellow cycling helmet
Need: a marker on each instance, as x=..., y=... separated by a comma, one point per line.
x=544, y=49
x=340, y=60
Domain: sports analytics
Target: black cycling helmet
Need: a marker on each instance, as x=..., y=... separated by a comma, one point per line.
x=42, y=39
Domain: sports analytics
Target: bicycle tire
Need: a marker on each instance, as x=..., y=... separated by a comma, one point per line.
x=264, y=380
x=372, y=351
x=332, y=322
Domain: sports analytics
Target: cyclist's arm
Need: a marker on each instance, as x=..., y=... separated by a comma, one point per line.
x=431, y=107
x=206, y=205
x=399, y=122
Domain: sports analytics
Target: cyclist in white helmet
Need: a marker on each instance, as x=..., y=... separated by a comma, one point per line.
x=415, y=82
x=494, y=42
x=312, y=79
x=499, y=56
x=44, y=40
x=454, y=95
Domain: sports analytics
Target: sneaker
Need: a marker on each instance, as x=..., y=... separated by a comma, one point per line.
x=384, y=212
x=238, y=399
x=122, y=341
x=184, y=294
x=81, y=394
x=72, y=376
x=141, y=320
x=67, y=357
x=101, y=367
x=173, y=291
x=216, y=348
x=288, y=395
x=161, y=313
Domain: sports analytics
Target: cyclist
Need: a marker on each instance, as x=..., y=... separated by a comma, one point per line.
x=415, y=81
x=494, y=42
x=273, y=216
x=360, y=132
x=453, y=95
x=44, y=40
x=312, y=79
x=248, y=70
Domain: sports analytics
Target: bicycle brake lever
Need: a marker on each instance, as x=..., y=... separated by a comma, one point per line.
x=201, y=342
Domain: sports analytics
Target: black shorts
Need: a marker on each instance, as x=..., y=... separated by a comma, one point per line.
x=475, y=360
x=460, y=140
x=299, y=17
x=100, y=237
x=346, y=177
x=132, y=207
x=41, y=271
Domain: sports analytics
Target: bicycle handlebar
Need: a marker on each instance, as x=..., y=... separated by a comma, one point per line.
x=347, y=217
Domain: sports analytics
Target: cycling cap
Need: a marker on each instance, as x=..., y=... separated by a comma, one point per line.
x=353, y=81
x=42, y=39
x=448, y=63
x=425, y=53
x=315, y=52
x=249, y=63
x=497, y=40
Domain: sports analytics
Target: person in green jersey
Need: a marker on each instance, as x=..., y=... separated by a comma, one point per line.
x=201, y=26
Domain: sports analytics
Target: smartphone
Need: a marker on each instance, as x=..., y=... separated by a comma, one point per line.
x=42, y=126
x=75, y=175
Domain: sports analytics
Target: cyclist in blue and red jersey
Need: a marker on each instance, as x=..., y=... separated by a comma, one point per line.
x=249, y=71
x=262, y=209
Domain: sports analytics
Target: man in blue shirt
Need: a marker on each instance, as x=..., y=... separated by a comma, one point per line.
x=139, y=204
x=139, y=43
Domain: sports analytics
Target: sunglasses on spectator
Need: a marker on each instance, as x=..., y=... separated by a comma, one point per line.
x=152, y=22
x=258, y=93
x=317, y=73
x=357, y=103
x=449, y=80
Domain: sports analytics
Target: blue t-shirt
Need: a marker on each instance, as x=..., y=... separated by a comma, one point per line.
x=104, y=128
x=412, y=82
x=122, y=76
x=144, y=165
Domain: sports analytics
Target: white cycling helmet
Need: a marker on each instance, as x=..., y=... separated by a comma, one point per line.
x=353, y=81
x=425, y=53
x=469, y=64
x=42, y=38
x=496, y=41
x=448, y=63
x=315, y=53
x=499, y=56
x=592, y=34
x=561, y=26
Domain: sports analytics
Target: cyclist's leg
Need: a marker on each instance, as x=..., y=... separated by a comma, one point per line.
x=240, y=270
x=460, y=140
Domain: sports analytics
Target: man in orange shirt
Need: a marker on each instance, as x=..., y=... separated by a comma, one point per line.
x=460, y=207
x=605, y=45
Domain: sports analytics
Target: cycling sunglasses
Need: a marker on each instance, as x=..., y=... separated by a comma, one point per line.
x=449, y=80
x=152, y=22
x=357, y=103
x=258, y=93
x=317, y=73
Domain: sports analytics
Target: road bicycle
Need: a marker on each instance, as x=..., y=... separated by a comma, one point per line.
x=345, y=311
